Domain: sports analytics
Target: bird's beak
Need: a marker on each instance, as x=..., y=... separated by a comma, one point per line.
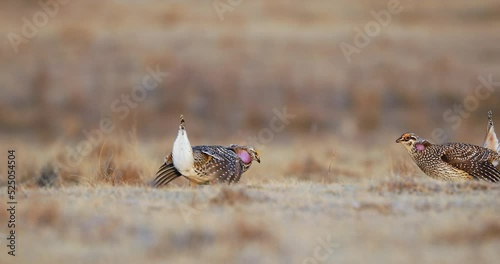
x=398, y=140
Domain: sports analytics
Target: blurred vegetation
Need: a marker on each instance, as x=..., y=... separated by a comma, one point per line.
x=227, y=76
x=317, y=176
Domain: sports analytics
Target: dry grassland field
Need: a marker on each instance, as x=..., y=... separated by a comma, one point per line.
x=92, y=91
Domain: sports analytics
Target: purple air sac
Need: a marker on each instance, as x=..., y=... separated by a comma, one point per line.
x=244, y=156
x=420, y=147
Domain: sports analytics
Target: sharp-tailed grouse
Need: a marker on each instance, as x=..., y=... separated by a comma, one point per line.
x=204, y=164
x=452, y=161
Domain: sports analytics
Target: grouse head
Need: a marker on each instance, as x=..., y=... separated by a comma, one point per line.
x=413, y=143
x=247, y=154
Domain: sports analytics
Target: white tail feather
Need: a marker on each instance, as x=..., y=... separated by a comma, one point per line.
x=182, y=153
x=491, y=140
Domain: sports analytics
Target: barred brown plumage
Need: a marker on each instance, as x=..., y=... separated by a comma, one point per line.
x=205, y=164
x=452, y=161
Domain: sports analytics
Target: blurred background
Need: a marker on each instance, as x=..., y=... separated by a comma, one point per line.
x=230, y=64
x=90, y=97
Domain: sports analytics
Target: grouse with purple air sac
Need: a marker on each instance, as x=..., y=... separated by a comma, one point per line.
x=203, y=165
x=452, y=161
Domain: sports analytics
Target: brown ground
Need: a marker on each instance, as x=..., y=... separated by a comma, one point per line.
x=393, y=221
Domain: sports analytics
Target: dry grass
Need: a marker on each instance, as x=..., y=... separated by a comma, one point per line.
x=269, y=217
x=254, y=222
x=366, y=202
x=411, y=185
x=488, y=231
